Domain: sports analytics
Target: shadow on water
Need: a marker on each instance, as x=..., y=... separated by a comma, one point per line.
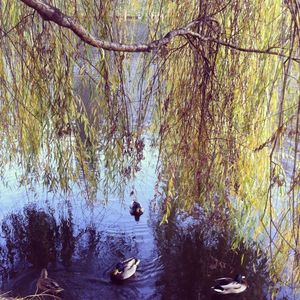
x=188, y=254
x=80, y=262
x=194, y=252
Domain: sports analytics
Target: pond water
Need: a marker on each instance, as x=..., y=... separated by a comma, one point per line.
x=83, y=242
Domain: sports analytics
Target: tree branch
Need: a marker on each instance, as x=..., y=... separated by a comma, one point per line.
x=241, y=49
x=51, y=13
x=5, y=33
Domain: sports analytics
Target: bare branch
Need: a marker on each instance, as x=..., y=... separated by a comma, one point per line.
x=51, y=13
x=241, y=49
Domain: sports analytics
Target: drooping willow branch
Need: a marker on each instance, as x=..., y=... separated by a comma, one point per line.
x=51, y=13
x=241, y=49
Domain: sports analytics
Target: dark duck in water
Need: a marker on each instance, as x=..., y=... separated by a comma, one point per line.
x=136, y=210
x=47, y=285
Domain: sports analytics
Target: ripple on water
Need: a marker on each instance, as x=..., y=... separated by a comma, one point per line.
x=149, y=269
x=88, y=287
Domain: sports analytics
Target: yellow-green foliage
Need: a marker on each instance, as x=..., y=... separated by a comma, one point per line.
x=223, y=112
x=223, y=129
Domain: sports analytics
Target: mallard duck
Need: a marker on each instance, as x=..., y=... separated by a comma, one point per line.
x=136, y=209
x=227, y=285
x=125, y=269
x=47, y=285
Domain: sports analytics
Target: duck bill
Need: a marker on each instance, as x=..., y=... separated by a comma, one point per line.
x=115, y=272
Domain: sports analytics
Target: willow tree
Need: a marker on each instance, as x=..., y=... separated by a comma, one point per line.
x=220, y=80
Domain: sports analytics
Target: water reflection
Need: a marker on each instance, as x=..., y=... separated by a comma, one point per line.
x=184, y=259
x=80, y=260
x=67, y=240
x=194, y=252
x=29, y=234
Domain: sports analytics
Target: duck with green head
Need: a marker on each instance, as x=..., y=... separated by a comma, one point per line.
x=125, y=269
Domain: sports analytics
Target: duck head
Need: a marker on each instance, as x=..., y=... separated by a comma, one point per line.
x=44, y=273
x=115, y=272
x=139, y=210
x=240, y=278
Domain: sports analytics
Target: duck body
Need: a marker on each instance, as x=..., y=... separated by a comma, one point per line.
x=227, y=285
x=136, y=209
x=48, y=285
x=125, y=269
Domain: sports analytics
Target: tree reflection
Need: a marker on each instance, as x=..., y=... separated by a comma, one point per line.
x=220, y=117
x=30, y=236
x=35, y=238
x=196, y=251
x=67, y=240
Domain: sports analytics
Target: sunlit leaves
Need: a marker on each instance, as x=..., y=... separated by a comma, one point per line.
x=211, y=123
x=225, y=123
x=53, y=125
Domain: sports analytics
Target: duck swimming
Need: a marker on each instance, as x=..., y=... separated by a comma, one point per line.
x=227, y=285
x=46, y=284
x=125, y=269
x=136, y=210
